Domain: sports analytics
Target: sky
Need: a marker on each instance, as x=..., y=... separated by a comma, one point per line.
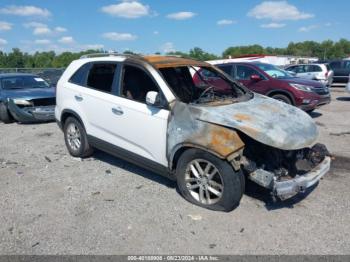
x=149, y=26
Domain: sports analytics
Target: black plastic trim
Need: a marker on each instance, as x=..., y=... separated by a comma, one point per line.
x=130, y=157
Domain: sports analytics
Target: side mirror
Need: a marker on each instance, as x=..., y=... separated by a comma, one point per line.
x=255, y=78
x=292, y=73
x=152, y=98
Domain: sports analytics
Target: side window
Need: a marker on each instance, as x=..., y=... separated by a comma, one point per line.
x=335, y=65
x=79, y=77
x=101, y=76
x=300, y=69
x=226, y=68
x=245, y=72
x=291, y=69
x=136, y=84
x=12, y=83
x=347, y=64
x=313, y=68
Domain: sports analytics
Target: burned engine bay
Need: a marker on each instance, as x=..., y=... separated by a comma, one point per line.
x=266, y=165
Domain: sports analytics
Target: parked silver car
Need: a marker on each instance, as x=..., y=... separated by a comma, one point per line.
x=319, y=72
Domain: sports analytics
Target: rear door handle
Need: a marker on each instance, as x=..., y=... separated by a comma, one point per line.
x=117, y=111
x=78, y=98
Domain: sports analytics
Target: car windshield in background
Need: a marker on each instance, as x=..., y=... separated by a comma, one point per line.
x=201, y=84
x=274, y=71
x=23, y=82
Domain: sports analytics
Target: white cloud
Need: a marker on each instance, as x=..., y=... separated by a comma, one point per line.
x=305, y=29
x=60, y=29
x=273, y=25
x=5, y=26
x=42, y=41
x=93, y=46
x=278, y=11
x=181, y=15
x=328, y=24
x=66, y=40
x=3, y=41
x=168, y=47
x=119, y=36
x=155, y=32
x=127, y=9
x=41, y=31
x=225, y=22
x=34, y=24
x=27, y=10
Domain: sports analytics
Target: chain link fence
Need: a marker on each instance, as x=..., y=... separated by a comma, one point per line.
x=51, y=75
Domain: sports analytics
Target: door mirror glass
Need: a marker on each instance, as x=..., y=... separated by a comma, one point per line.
x=255, y=78
x=152, y=98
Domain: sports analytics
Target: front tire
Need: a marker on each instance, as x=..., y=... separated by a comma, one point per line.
x=76, y=139
x=282, y=98
x=5, y=114
x=208, y=181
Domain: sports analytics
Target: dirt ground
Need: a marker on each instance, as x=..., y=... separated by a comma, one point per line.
x=51, y=203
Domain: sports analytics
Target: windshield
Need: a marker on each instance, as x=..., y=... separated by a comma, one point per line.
x=274, y=71
x=201, y=84
x=23, y=82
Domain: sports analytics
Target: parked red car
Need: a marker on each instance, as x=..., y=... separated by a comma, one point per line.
x=271, y=81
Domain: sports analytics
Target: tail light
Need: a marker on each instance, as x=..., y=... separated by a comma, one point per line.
x=326, y=74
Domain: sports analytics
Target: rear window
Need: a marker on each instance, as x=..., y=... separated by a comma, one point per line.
x=101, y=76
x=335, y=65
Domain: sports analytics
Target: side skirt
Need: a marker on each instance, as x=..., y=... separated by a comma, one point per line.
x=130, y=157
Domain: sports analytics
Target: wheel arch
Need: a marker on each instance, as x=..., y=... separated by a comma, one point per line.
x=282, y=92
x=181, y=148
x=68, y=113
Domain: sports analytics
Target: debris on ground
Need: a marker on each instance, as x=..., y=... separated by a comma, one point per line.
x=212, y=246
x=340, y=133
x=195, y=217
x=36, y=244
x=48, y=159
x=96, y=193
x=108, y=172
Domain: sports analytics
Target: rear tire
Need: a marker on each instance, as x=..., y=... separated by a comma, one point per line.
x=76, y=139
x=5, y=115
x=282, y=98
x=214, y=184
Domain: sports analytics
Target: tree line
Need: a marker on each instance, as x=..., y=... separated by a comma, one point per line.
x=326, y=50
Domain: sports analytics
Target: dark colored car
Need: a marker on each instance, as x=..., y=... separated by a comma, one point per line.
x=341, y=70
x=26, y=98
x=271, y=81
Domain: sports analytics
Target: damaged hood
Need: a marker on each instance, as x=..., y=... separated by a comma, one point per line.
x=264, y=119
x=28, y=93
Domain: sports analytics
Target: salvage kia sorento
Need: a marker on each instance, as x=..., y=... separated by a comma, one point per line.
x=148, y=110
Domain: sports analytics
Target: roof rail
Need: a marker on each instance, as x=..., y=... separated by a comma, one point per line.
x=99, y=55
x=92, y=55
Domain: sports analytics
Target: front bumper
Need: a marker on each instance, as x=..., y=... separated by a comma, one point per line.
x=289, y=188
x=31, y=114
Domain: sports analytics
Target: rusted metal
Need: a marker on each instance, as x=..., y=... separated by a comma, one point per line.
x=172, y=61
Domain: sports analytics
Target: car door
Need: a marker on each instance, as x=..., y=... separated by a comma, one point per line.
x=244, y=73
x=126, y=121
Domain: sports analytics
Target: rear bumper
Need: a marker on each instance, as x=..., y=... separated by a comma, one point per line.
x=31, y=114
x=289, y=188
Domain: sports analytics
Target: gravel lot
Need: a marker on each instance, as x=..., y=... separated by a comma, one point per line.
x=52, y=203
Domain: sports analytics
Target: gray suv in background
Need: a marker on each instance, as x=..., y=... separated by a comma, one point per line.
x=319, y=72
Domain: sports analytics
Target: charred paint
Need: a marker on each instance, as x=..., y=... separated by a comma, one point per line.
x=172, y=61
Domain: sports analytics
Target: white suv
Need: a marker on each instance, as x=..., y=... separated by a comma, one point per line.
x=209, y=137
x=319, y=72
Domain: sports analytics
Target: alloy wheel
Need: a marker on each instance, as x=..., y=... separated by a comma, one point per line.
x=204, y=181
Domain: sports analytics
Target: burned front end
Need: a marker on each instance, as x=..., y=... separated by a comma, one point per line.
x=284, y=172
x=29, y=110
x=274, y=144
